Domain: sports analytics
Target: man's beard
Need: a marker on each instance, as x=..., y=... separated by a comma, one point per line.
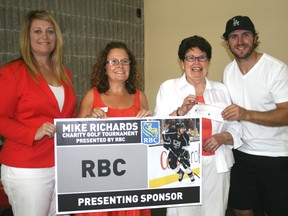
x=244, y=55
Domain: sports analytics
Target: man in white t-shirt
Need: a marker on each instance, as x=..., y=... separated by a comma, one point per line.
x=258, y=85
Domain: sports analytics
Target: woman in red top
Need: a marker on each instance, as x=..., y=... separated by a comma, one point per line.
x=34, y=90
x=114, y=93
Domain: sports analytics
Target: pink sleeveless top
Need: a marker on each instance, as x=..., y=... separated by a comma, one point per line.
x=112, y=112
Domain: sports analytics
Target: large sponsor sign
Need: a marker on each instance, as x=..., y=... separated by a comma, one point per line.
x=121, y=163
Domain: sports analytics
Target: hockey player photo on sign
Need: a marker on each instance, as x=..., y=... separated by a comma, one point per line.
x=176, y=161
x=175, y=140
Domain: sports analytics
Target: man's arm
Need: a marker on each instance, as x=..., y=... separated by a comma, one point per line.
x=276, y=117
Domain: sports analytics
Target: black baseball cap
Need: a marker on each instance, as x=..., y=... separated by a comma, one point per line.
x=237, y=23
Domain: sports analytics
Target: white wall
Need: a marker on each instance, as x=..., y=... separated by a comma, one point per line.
x=167, y=22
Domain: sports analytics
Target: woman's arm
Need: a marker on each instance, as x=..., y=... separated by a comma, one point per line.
x=86, y=105
x=144, y=107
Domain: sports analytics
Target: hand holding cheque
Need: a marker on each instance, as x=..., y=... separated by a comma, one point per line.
x=200, y=109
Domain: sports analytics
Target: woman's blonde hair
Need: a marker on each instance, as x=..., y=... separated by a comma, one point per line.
x=56, y=56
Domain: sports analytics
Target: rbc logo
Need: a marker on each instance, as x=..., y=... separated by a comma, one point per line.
x=150, y=132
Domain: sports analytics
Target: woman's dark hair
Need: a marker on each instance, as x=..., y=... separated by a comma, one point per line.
x=99, y=79
x=192, y=42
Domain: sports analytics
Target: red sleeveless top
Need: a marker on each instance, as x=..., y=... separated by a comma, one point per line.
x=206, y=130
x=113, y=112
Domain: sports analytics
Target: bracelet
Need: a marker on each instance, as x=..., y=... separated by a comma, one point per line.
x=177, y=111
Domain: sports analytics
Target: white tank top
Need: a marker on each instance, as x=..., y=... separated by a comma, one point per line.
x=59, y=94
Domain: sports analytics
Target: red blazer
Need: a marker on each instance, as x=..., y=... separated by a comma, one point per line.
x=25, y=104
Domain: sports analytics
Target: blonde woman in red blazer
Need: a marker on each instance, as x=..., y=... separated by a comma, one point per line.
x=34, y=90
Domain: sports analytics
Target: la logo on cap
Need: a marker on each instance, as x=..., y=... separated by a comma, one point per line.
x=235, y=22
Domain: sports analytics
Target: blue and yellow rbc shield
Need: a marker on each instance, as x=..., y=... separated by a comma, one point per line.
x=150, y=132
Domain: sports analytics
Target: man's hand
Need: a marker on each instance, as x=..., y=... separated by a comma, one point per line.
x=234, y=112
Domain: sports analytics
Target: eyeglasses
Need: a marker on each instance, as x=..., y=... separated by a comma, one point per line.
x=116, y=61
x=194, y=58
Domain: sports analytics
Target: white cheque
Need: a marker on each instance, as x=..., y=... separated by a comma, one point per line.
x=209, y=111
